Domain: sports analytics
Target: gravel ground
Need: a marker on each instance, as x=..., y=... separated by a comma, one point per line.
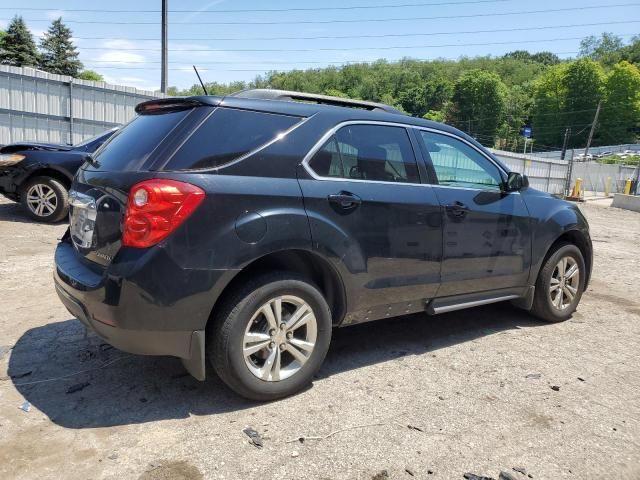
x=479, y=391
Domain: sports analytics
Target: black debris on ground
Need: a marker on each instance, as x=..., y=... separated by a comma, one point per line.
x=254, y=437
x=555, y=388
x=473, y=476
x=521, y=470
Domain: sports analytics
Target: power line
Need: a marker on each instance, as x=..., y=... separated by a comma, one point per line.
x=333, y=49
x=337, y=63
x=369, y=20
x=267, y=10
x=386, y=35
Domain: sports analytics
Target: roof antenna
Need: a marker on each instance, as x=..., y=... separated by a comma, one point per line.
x=201, y=82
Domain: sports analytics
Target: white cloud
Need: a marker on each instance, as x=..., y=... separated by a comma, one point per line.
x=115, y=52
x=128, y=81
x=115, y=56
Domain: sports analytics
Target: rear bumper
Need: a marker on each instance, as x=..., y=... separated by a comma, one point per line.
x=119, y=309
x=185, y=344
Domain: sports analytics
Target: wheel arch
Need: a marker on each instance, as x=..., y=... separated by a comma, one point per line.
x=303, y=262
x=48, y=171
x=579, y=239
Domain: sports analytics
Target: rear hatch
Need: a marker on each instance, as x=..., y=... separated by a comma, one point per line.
x=99, y=194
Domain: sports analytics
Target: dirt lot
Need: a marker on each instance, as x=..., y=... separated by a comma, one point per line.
x=475, y=387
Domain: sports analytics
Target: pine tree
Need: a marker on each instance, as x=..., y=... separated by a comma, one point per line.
x=17, y=46
x=59, y=55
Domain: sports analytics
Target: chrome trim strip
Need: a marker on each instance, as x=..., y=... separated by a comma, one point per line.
x=475, y=303
x=320, y=143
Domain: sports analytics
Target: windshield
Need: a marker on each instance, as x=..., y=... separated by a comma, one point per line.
x=96, y=137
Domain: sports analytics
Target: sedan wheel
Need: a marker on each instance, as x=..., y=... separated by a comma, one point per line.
x=42, y=200
x=45, y=199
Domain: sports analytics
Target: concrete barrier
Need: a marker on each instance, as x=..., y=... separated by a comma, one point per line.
x=628, y=202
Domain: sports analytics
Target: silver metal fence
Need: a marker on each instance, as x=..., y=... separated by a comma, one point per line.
x=546, y=174
x=35, y=105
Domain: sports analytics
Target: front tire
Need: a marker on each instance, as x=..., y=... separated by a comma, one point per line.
x=270, y=336
x=560, y=284
x=45, y=199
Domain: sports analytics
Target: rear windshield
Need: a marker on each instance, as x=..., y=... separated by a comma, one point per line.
x=130, y=147
x=227, y=135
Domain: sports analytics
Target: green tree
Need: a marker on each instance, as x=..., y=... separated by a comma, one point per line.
x=90, y=75
x=17, y=46
x=435, y=115
x=631, y=52
x=606, y=49
x=59, y=55
x=478, y=102
x=549, y=96
x=620, y=117
x=584, y=85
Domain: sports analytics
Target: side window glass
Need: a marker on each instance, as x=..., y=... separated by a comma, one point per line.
x=368, y=152
x=228, y=134
x=457, y=164
x=326, y=162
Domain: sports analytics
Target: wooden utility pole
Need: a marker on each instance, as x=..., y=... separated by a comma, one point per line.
x=567, y=134
x=593, y=127
x=163, y=46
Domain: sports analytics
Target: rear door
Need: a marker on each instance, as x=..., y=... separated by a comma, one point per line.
x=370, y=213
x=487, y=235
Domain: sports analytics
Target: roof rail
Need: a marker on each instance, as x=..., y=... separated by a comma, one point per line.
x=270, y=94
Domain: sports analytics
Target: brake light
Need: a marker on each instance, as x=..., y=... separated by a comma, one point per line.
x=155, y=208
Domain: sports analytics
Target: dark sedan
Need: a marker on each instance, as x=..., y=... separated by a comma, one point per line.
x=39, y=175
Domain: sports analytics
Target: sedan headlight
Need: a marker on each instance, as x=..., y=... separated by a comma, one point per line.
x=9, y=159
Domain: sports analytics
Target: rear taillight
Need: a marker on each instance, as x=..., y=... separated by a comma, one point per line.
x=156, y=208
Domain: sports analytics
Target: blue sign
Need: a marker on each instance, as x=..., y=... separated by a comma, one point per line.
x=526, y=132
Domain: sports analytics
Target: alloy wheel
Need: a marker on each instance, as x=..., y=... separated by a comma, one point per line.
x=279, y=338
x=42, y=200
x=564, y=284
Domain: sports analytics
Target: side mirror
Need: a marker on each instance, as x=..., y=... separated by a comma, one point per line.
x=516, y=182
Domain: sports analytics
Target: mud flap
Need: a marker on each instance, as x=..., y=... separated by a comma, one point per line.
x=195, y=363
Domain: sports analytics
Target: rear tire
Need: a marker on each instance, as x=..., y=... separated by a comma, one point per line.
x=560, y=284
x=45, y=199
x=263, y=355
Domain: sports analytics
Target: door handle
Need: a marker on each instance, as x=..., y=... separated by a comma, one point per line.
x=344, y=201
x=456, y=209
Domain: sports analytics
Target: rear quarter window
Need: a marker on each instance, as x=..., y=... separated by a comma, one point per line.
x=228, y=134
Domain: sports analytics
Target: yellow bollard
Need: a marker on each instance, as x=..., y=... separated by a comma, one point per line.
x=577, y=188
x=607, y=187
x=627, y=186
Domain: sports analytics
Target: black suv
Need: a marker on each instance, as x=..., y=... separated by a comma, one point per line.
x=239, y=230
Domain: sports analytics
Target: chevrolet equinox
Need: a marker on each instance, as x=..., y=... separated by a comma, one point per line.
x=237, y=231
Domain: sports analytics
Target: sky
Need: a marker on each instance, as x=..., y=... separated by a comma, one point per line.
x=236, y=40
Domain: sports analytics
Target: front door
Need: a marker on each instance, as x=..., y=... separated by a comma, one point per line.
x=486, y=231
x=370, y=213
